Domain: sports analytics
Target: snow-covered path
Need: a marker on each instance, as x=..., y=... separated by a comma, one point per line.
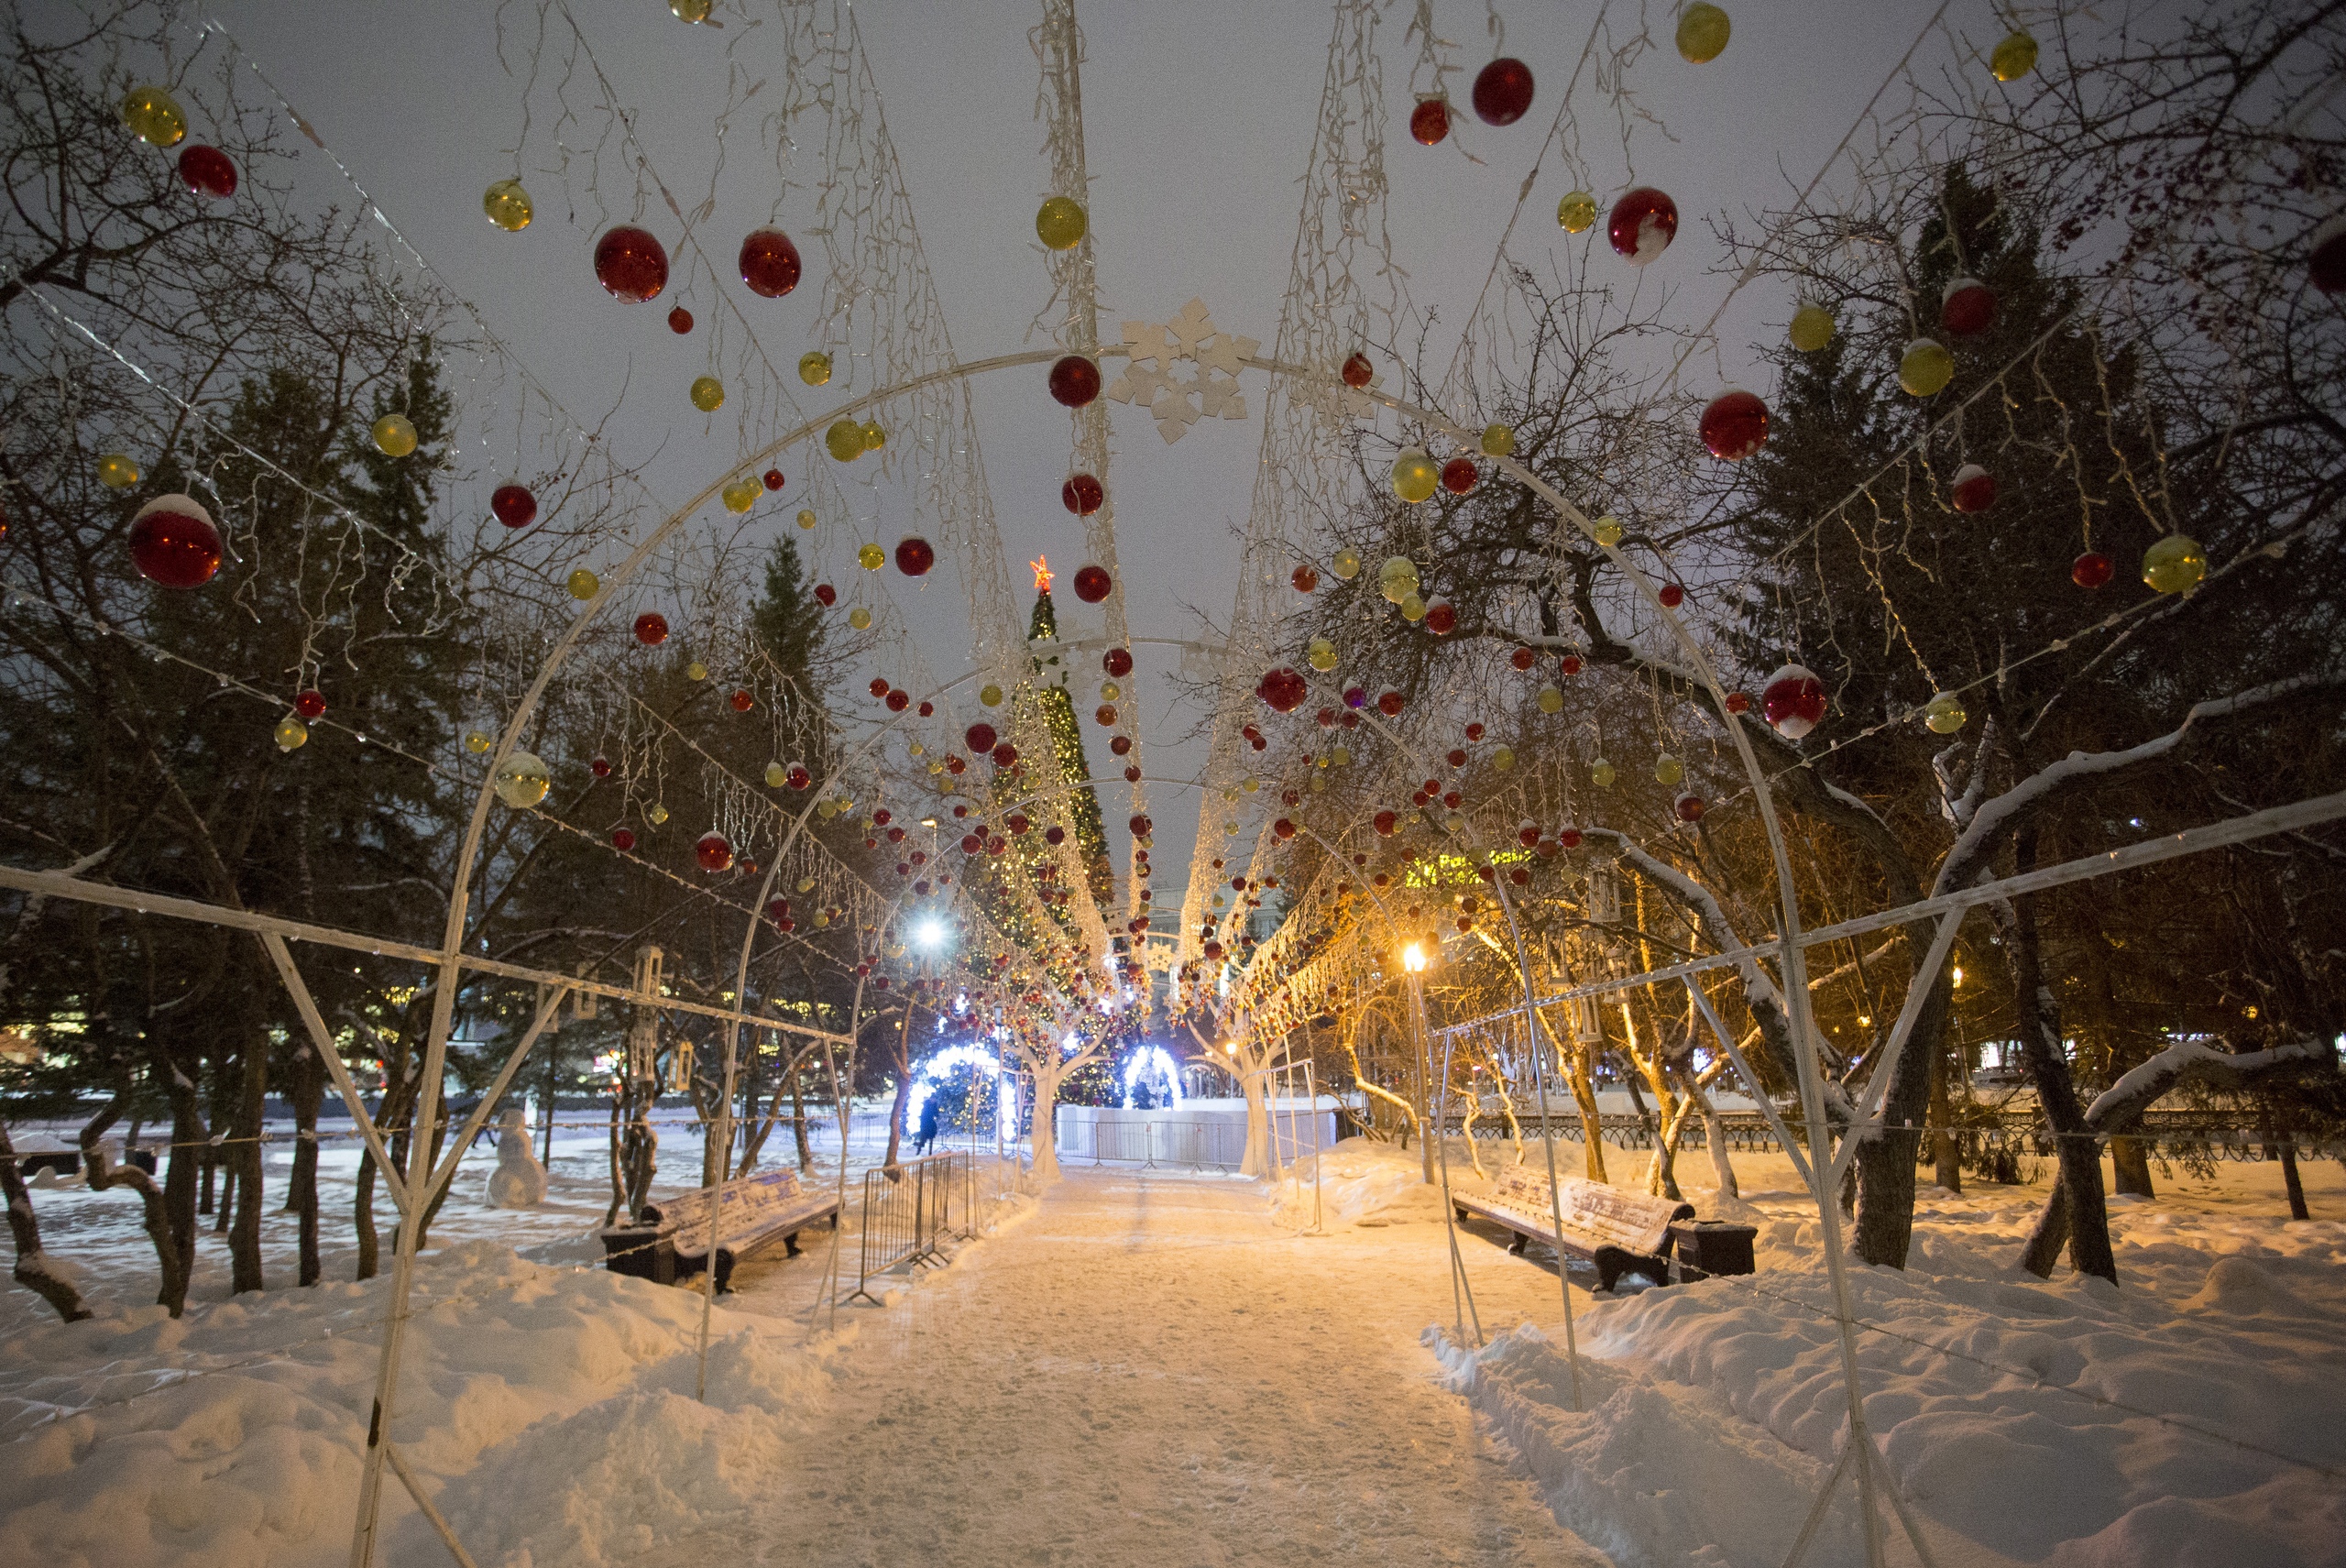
x=1145, y=1371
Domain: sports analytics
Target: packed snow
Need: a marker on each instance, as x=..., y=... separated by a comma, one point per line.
x=1162, y=1367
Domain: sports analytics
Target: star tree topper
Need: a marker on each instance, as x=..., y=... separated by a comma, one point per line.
x=1211, y=389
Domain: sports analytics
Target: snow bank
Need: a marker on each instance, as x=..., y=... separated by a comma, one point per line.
x=1362, y=1182
x=558, y=1401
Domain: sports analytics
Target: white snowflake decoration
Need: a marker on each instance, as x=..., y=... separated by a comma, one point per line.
x=1210, y=390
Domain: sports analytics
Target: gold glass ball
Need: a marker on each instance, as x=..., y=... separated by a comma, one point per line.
x=826, y=810
x=844, y=440
x=1341, y=757
x=1110, y=691
x=2174, y=564
x=1576, y=213
x=1702, y=33
x=860, y=618
x=805, y=520
x=814, y=368
x=583, y=583
x=1345, y=564
x=292, y=734
x=1323, y=654
x=875, y=438
x=776, y=775
x=1926, y=368
x=1602, y=773
x=1813, y=327
x=1944, y=714
x=707, y=394
x=1607, y=531
x=990, y=694
x=1413, y=608
x=476, y=743
x=1667, y=769
x=871, y=557
x=523, y=781
x=153, y=116
x=1503, y=759
x=655, y=814
x=2014, y=58
x=689, y=10
x=1396, y=579
x=1552, y=700
x=508, y=206
x=696, y=670
x=116, y=472
x=1415, y=476
x=394, y=435
x=1498, y=441
x=1060, y=223
x=742, y=494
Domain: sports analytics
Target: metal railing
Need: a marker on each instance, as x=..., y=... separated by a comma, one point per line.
x=1214, y=1144
x=2166, y=1134
x=910, y=1210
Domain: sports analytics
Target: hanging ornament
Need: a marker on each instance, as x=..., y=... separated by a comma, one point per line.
x=1602, y=773
x=116, y=472
x=870, y=557
x=655, y=814
x=1926, y=368
x=601, y=767
x=1440, y=619
x=522, y=780
x=508, y=206
x=153, y=116
x=875, y=438
x=173, y=542
x=1117, y=661
x=622, y=839
x=1082, y=495
x=1523, y=658
x=773, y=479
x=1688, y=807
x=630, y=264
x=990, y=695
x=1502, y=91
x=680, y=320
x=714, y=851
x=1397, y=579
x=1284, y=689
x=825, y=595
x=1345, y=564
x=844, y=440
x=1793, y=701
x=1738, y=703
x=310, y=704
x=1498, y=441
x=707, y=394
x=1576, y=213
x=1551, y=699
x=1503, y=758
x=1569, y=664
x=1670, y=594
x=1735, y=425
x=2092, y=569
x=1429, y=121
x=914, y=557
x=1966, y=307
x=1321, y=655
x=1813, y=327
x=207, y=171
x=805, y=518
x=775, y=777
x=1060, y=223
x=1415, y=477
x=1974, y=488
x=584, y=584
x=2014, y=57
x=1075, y=381
x=740, y=495
x=769, y=263
x=1092, y=584
x=394, y=435
x=475, y=741
x=696, y=670
x=1703, y=31
x=1458, y=476
x=859, y=618
x=689, y=10
x=513, y=506
x=1606, y=530
x=1667, y=769
x=1643, y=223
x=2174, y=564
x=292, y=734
x=1304, y=578
x=1105, y=713
x=1357, y=372
x=814, y=368
x=2326, y=267
x=1943, y=715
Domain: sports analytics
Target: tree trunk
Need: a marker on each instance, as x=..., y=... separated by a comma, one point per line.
x=1046, y=1131
x=2084, y=1203
x=301, y=1188
x=33, y=1269
x=903, y=1087
x=1592, y=1116
x=243, y=1235
x=1885, y=1162
x=1946, y=1154
x=156, y=1211
x=798, y=1119
x=1256, y=1158
x=2290, y=1179
x=190, y=1149
x=2129, y=1163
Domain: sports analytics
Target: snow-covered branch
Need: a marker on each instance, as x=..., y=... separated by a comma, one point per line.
x=2192, y=1061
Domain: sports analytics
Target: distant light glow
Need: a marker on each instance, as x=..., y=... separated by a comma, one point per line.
x=1157, y=1062
x=929, y=935
x=971, y=1056
x=1413, y=959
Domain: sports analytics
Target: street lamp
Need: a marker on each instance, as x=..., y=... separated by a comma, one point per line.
x=1414, y=960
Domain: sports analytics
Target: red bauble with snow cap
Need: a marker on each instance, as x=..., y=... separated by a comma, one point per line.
x=1966, y=307
x=1284, y=689
x=1643, y=223
x=1793, y=701
x=1974, y=488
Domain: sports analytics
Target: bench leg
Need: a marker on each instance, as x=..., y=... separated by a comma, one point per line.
x=1516, y=1243
x=791, y=1241
x=724, y=1280
x=1613, y=1262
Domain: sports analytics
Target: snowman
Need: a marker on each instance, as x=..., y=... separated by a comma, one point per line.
x=518, y=1181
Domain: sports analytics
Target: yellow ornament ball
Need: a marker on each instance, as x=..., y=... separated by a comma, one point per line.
x=1552, y=700
x=696, y=670
x=153, y=116
x=1503, y=759
x=292, y=734
x=860, y=618
x=1060, y=223
x=807, y=519
x=707, y=394
x=1498, y=441
x=1397, y=579
x=1607, y=531
x=1702, y=33
x=1323, y=654
x=655, y=814
x=1602, y=773
x=583, y=583
x=1813, y=327
x=875, y=438
x=742, y=494
x=814, y=368
x=508, y=206
x=844, y=440
x=476, y=743
x=990, y=694
x=1944, y=714
x=871, y=557
x=1413, y=608
x=1341, y=757
x=1576, y=213
x=2014, y=58
x=2174, y=564
x=776, y=775
x=1345, y=564
x=523, y=781
x=116, y=472
x=1667, y=769
x=689, y=10
x=1926, y=368
x=394, y=435
x=1415, y=477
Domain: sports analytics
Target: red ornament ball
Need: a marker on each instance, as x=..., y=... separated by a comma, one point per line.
x=714, y=853
x=769, y=263
x=651, y=629
x=1671, y=595
x=878, y=687
x=1386, y=822
x=1075, y=381
x=622, y=839
x=1502, y=91
x=1092, y=584
x=631, y=265
x=1474, y=731
x=1083, y=495
x=798, y=777
x=928, y=711
x=1284, y=689
x=1569, y=838
x=601, y=767
x=1284, y=828
x=1643, y=223
x=173, y=543
x=773, y=478
x=2325, y=268
x=1735, y=425
x=1120, y=745
x=1357, y=371
x=914, y=557
x=1304, y=578
x=1389, y=705
x=825, y=595
x=1457, y=757
x=1793, y=701
x=1689, y=807
x=1429, y=121
x=310, y=705
x=207, y=171
x=978, y=737
x=1523, y=658
x=1569, y=664
x=1458, y=476
x=1140, y=825
x=1966, y=307
x=680, y=320
x=1974, y=488
x=1440, y=619
x=742, y=701
x=1738, y=703
x=1105, y=713
x=898, y=701
x=1117, y=661
x=513, y=506
x=2091, y=570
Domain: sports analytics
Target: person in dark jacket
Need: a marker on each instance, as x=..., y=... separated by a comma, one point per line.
x=928, y=1125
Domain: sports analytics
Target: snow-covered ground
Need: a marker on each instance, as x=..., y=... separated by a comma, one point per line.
x=1165, y=1368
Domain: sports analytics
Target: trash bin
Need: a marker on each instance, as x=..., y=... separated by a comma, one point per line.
x=1705, y=1248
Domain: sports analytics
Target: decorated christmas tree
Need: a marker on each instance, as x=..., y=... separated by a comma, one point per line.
x=1066, y=738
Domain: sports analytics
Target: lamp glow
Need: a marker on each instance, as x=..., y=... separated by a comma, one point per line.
x=1413, y=959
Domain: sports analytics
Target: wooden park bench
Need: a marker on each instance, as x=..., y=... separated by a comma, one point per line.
x=669, y=1240
x=1621, y=1233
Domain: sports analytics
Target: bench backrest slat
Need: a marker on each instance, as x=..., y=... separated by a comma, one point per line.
x=745, y=1201
x=1632, y=1220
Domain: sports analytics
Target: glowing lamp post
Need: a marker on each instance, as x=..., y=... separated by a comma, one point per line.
x=1414, y=960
